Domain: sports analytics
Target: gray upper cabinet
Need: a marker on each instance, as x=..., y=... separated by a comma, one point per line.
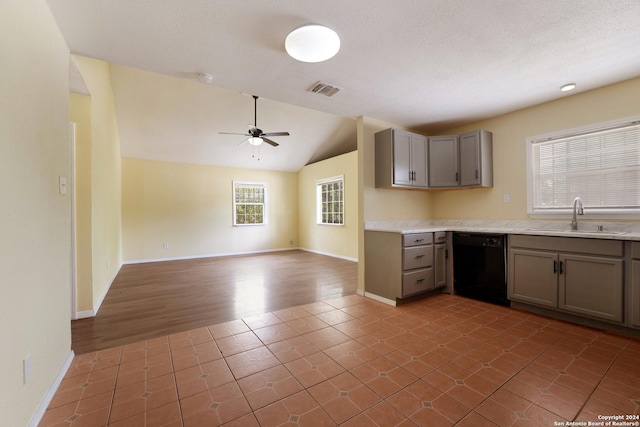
x=443, y=161
x=409, y=160
x=476, y=159
x=401, y=159
x=461, y=160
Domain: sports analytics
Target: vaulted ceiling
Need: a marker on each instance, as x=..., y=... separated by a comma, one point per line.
x=427, y=65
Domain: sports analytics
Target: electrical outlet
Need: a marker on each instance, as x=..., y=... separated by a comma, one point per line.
x=26, y=368
x=165, y=245
x=291, y=240
x=506, y=198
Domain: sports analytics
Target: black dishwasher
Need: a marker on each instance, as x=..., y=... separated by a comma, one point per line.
x=479, y=266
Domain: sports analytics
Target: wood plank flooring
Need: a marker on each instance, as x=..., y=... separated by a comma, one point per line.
x=154, y=299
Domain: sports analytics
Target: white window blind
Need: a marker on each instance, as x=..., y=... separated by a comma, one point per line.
x=602, y=166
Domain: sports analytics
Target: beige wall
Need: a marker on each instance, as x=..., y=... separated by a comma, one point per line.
x=509, y=137
x=106, y=241
x=341, y=241
x=190, y=207
x=34, y=218
x=80, y=114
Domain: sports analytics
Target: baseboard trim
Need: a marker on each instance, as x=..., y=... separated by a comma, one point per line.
x=85, y=314
x=329, y=254
x=142, y=261
x=106, y=290
x=380, y=299
x=360, y=292
x=46, y=400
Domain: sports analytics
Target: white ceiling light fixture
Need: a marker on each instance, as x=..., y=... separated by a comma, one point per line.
x=568, y=87
x=312, y=43
x=254, y=141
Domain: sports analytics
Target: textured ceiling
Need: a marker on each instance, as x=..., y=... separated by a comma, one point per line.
x=427, y=65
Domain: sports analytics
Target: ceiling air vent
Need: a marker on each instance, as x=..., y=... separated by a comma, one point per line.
x=324, y=89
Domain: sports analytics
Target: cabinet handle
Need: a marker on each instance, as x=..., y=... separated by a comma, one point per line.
x=561, y=263
x=419, y=280
x=414, y=175
x=419, y=256
x=456, y=176
x=476, y=173
x=418, y=240
x=555, y=266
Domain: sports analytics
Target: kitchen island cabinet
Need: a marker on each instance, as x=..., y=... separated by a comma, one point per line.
x=579, y=276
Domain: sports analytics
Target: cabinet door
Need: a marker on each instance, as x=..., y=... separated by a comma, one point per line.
x=591, y=286
x=470, y=159
x=401, y=158
x=634, y=304
x=443, y=161
x=440, y=265
x=533, y=277
x=419, y=164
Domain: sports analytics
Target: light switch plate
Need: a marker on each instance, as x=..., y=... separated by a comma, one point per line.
x=62, y=182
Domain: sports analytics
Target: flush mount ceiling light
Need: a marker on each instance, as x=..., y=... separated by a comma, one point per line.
x=312, y=43
x=568, y=87
x=254, y=141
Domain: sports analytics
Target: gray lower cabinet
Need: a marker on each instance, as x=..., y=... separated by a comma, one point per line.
x=634, y=288
x=581, y=276
x=440, y=259
x=398, y=265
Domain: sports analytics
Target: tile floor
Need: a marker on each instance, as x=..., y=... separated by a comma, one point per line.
x=353, y=361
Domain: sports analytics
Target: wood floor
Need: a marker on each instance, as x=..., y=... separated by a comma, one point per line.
x=154, y=299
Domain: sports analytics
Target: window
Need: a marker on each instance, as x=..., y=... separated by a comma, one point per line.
x=249, y=203
x=330, y=200
x=599, y=163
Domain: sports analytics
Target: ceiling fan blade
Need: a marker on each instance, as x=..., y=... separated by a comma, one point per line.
x=275, y=134
x=233, y=133
x=244, y=140
x=270, y=142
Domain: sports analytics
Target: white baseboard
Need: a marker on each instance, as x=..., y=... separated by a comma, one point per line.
x=85, y=314
x=379, y=298
x=141, y=261
x=44, y=404
x=360, y=292
x=330, y=254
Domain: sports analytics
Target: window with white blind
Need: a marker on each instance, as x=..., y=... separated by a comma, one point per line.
x=330, y=200
x=599, y=163
x=249, y=203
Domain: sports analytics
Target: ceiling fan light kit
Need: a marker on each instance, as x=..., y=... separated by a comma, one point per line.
x=256, y=136
x=312, y=43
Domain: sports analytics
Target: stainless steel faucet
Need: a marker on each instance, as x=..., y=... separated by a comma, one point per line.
x=577, y=210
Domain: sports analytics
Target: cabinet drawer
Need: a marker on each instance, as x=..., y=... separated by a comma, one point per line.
x=416, y=239
x=440, y=237
x=417, y=281
x=417, y=257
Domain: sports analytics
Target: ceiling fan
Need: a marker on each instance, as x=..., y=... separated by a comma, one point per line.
x=255, y=135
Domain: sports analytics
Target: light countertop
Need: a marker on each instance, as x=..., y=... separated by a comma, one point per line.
x=611, y=230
